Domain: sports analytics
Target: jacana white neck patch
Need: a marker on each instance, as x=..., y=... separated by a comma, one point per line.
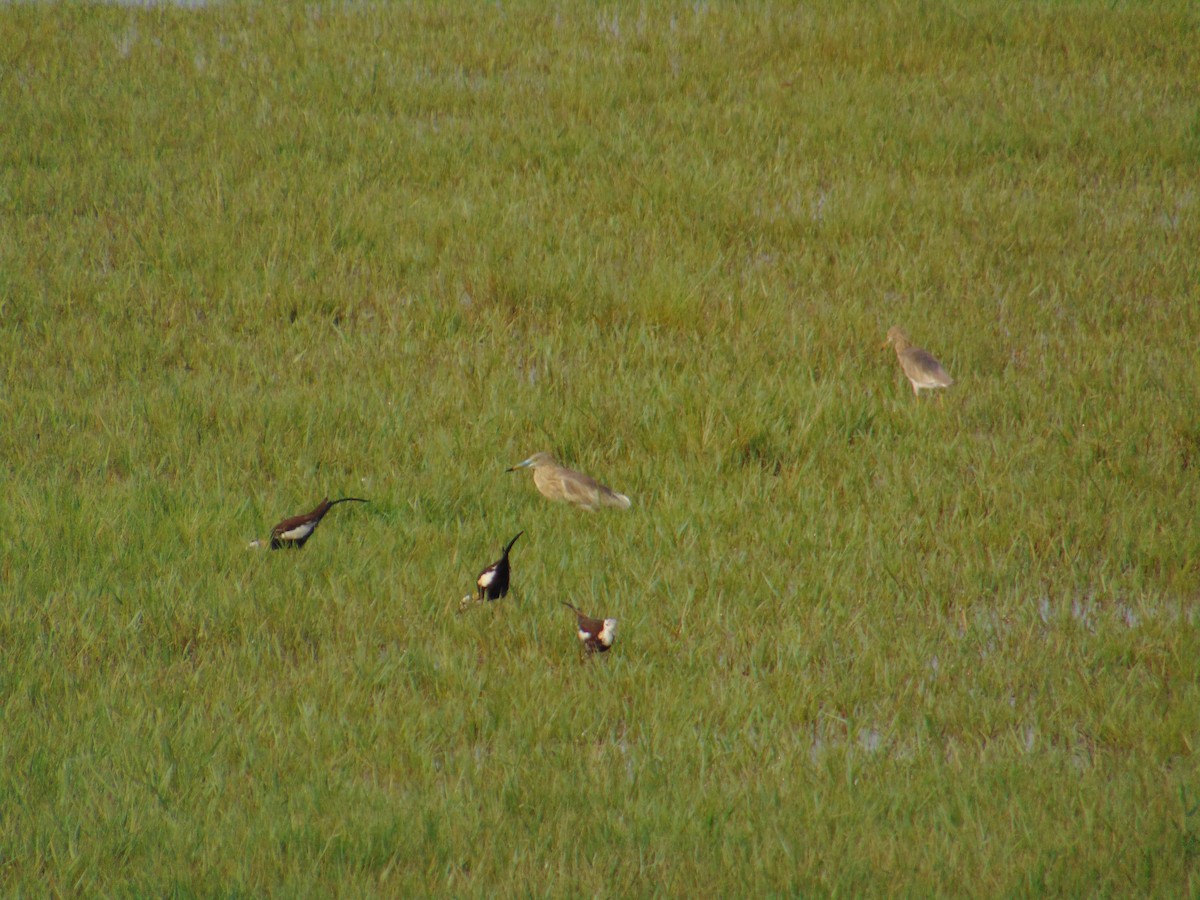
x=608, y=632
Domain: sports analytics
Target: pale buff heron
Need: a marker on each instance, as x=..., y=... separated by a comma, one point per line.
x=560, y=483
x=920, y=366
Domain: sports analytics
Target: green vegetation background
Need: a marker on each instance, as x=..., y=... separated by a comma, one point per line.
x=254, y=254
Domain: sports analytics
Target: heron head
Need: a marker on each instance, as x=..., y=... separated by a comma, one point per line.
x=538, y=459
x=897, y=337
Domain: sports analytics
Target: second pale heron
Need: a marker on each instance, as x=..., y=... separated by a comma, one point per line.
x=560, y=483
x=920, y=367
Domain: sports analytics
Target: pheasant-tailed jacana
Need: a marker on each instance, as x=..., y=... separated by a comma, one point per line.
x=292, y=533
x=596, y=635
x=493, y=581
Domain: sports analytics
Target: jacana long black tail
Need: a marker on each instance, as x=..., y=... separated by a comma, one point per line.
x=509, y=545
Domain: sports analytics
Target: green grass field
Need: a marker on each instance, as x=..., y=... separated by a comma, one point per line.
x=869, y=644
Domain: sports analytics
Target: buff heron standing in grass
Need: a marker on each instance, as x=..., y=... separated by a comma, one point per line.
x=920, y=366
x=560, y=483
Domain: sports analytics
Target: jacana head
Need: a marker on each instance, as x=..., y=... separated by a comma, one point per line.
x=538, y=459
x=608, y=633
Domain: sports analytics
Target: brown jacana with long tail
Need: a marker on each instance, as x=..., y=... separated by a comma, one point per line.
x=292, y=533
x=493, y=581
x=596, y=635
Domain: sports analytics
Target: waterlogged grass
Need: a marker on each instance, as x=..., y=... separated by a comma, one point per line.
x=250, y=256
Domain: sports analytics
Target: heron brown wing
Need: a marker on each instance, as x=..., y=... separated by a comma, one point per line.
x=579, y=488
x=923, y=362
x=614, y=498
